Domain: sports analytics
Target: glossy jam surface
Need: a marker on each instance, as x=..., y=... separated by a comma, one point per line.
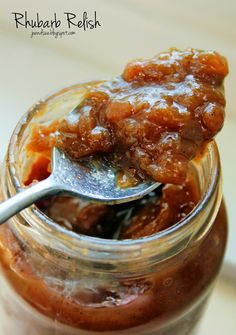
x=151, y=120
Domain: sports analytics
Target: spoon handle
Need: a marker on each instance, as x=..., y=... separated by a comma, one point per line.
x=27, y=197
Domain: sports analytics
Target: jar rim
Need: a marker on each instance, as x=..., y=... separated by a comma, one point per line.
x=47, y=225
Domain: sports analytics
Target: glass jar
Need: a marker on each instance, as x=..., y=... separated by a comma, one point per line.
x=54, y=281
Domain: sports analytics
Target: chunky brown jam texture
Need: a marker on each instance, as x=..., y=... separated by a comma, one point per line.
x=151, y=120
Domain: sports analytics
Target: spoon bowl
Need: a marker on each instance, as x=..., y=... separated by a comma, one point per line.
x=91, y=178
x=94, y=179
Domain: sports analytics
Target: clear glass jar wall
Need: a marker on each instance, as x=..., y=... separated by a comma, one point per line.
x=54, y=281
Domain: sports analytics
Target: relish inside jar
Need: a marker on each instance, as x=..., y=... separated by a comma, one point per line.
x=152, y=264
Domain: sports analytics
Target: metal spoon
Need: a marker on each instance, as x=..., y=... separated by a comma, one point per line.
x=90, y=178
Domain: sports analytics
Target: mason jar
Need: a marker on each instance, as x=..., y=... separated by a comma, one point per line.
x=56, y=282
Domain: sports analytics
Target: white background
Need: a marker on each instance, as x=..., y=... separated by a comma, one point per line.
x=31, y=68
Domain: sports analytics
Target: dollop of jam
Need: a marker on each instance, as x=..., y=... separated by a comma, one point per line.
x=149, y=122
x=152, y=119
